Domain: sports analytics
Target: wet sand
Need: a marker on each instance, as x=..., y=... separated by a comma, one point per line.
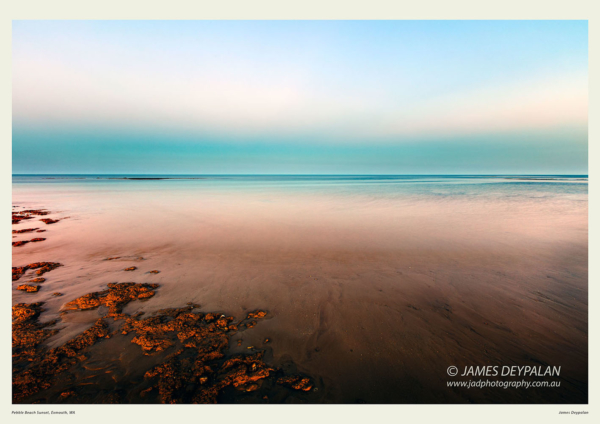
x=373, y=297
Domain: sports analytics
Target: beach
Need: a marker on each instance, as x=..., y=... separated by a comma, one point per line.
x=373, y=286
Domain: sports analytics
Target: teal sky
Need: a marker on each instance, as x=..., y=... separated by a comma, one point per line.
x=351, y=97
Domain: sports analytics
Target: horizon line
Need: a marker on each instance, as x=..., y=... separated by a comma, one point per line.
x=300, y=174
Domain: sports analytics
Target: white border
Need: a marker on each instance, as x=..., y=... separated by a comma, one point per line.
x=304, y=9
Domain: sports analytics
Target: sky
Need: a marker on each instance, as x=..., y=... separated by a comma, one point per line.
x=300, y=97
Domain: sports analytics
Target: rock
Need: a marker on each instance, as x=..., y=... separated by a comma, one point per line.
x=26, y=230
x=37, y=280
x=22, y=312
x=42, y=268
x=195, y=366
x=18, y=218
x=40, y=212
x=251, y=387
x=34, y=366
x=27, y=214
x=115, y=297
x=257, y=314
x=296, y=382
x=28, y=288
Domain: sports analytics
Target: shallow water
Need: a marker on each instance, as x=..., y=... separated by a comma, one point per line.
x=376, y=284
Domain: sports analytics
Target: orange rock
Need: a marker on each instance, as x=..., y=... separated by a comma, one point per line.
x=26, y=214
x=193, y=368
x=26, y=230
x=45, y=269
x=40, y=212
x=115, y=297
x=18, y=218
x=34, y=367
x=296, y=382
x=257, y=314
x=22, y=242
x=42, y=268
x=37, y=280
x=17, y=272
x=28, y=288
x=210, y=317
x=22, y=312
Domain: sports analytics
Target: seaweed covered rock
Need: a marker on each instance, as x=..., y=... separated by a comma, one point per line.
x=25, y=230
x=40, y=212
x=27, y=214
x=186, y=352
x=22, y=242
x=42, y=268
x=257, y=314
x=37, y=280
x=44, y=365
x=23, y=312
x=28, y=288
x=196, y=372
x=296, y=382
x=27, y=334
x=115, y=297
x=16, y=218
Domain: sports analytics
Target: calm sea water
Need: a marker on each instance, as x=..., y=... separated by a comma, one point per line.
x=531, y=186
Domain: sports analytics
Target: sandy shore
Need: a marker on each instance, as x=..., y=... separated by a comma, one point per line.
x=373, y=303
